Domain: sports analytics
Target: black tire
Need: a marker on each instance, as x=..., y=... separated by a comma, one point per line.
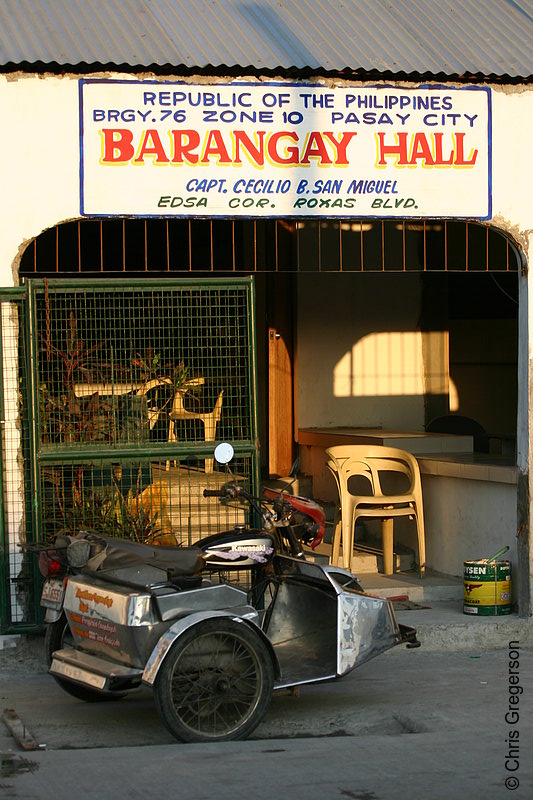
x=216, y=682
x=57, y=637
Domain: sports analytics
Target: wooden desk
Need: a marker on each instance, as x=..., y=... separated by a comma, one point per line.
x=314, y=441
x=414, y=442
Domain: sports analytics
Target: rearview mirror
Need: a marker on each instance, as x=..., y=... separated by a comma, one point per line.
x=224, y=452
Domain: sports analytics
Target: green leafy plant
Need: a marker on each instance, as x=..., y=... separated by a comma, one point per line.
x=65, y=417
x=106, y=510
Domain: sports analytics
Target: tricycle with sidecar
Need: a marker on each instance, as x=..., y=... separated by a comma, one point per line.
x=122, y=614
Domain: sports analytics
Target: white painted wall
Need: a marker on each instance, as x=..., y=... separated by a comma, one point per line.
x=468, y=520
x=360, y=353
x=39, y=141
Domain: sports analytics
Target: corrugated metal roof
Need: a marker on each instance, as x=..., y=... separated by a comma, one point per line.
x=463, y=37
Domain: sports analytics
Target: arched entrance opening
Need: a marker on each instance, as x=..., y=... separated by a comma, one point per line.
x=458, y=278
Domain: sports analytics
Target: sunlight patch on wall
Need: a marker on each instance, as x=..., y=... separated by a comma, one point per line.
x=398, y=363
x=454, y=398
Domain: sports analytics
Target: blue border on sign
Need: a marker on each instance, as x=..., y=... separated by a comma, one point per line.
x=425, y=86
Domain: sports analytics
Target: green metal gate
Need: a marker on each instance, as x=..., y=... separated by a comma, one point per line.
x=20, y=583
x=130, y=385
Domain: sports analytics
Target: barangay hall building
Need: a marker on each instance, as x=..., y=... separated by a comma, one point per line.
x=360, y=174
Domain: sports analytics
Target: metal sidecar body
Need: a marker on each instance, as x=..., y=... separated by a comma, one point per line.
x=212, y=653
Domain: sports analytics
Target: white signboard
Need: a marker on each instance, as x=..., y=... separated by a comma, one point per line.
x=283, y=150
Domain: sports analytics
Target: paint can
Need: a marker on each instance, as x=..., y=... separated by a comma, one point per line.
x=487, y=587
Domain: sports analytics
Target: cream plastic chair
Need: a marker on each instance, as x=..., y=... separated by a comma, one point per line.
x=362, y=464
x=210, y=421
x=156, y=398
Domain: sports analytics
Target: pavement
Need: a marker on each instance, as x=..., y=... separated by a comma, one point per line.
x=453, y=716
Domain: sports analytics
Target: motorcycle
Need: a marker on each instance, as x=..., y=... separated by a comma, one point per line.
x=287, y=525
x=121, y=614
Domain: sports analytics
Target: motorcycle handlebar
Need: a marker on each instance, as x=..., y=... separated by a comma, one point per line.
x=230, y=491
x=234, y=491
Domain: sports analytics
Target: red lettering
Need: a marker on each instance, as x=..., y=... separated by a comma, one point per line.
x=151, y=145
x=315, y=148
x=116, y=145
x=257, y=154
x=399, y=150
x=282, y=148
x=341, y=145
x=215, y=146
x=460, y=160
x=185, y=141
x=292, y=152
x=420, y=149
x=438, y=151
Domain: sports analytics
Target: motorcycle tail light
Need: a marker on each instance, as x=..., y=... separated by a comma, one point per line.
x=49, y=565
x=54, y=567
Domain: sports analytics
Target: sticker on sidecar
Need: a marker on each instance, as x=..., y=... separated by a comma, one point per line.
x=53, y=593
x=95, y=630
x=84, y=596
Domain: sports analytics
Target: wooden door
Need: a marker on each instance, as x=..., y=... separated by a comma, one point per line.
x=280, y=379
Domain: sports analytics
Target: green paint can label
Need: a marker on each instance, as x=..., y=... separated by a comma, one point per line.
x=487, y=588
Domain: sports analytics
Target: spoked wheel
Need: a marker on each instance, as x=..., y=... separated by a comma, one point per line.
x=216, y=682
x=57, y=637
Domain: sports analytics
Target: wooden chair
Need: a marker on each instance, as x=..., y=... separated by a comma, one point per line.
x=365, y=464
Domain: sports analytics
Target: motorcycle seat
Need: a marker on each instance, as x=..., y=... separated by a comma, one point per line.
x=111, y=554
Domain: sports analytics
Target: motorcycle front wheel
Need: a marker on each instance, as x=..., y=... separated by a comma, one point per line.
x=216, y=682
x=57, y=637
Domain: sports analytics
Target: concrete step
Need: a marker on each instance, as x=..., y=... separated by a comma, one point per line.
x=436, y=611
x=370, y=559
x=442, y=626
x=433, y=587
x=364, y=561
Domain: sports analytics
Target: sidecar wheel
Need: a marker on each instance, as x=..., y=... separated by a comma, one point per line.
x=57, y=637
x=216, y=682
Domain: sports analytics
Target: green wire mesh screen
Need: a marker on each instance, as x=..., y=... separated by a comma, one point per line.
x=114, y=427
x=126, y=366
x=144, y=499
x=20, y=580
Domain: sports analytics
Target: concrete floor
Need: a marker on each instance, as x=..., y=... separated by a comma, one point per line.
x=410, y=723
x=431, y=722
